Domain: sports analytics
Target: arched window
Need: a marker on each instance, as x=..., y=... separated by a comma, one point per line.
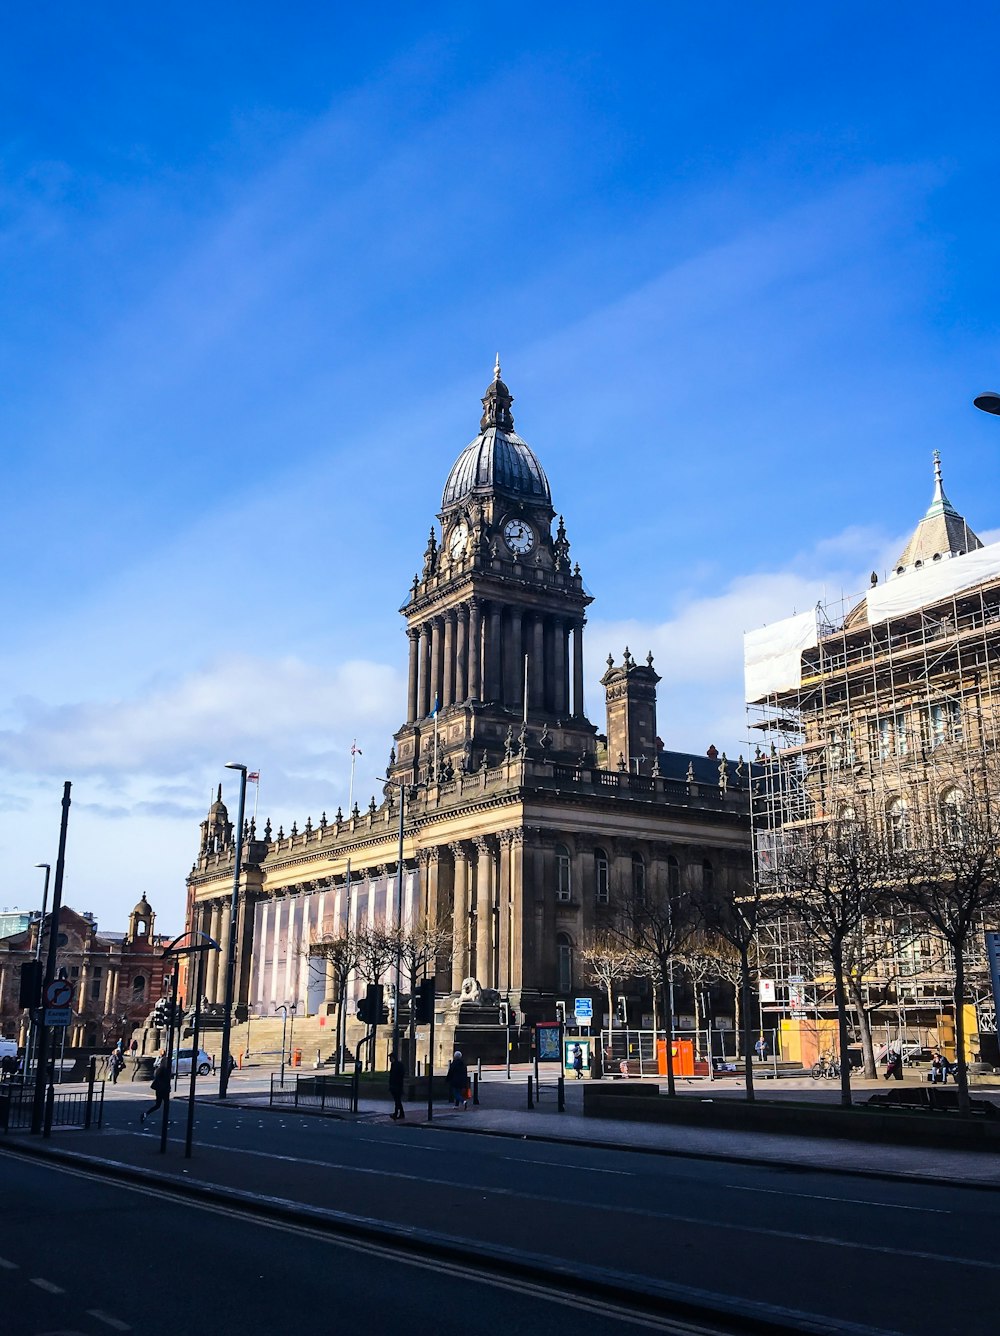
x=846, y=814
x=564, y=947
x=563, y=884
x=638, y=876
x=953, y=816
x=897, y=825
x=138, y=988
x=707, y=875
x=602, y=879
x=673, y=875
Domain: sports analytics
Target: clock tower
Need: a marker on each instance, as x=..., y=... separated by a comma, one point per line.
x=495, y=617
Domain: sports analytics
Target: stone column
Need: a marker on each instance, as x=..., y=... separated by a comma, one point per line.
x=503, y=899
x=559, y=667
x=460, y=929
x=223, y=940
x=514, y=692
x=461, y=654
x=578, y=710
x=448, y=695
x=109, y=991
x=475, y=642
x=434, y=692
x=537, y=685
x=516, y=909
x=424, y=672
x=82, y=998
x=484, y=911
x=494, y=661
x=413, y=635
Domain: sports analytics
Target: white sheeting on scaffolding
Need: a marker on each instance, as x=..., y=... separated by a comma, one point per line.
x=772, y=656
x=916, y=588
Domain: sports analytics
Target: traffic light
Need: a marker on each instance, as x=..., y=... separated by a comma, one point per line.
x=561, y=1012
x=622, y=1011
x=30, y=993
x=371, y=1007
x=423, y=1003
x=504, y=1014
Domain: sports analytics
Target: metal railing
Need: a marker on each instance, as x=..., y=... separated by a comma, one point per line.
x=322, y=1092
x=63, y=1108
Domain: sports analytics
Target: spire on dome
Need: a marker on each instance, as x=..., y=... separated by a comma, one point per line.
x=942, y=532
x=496, y=368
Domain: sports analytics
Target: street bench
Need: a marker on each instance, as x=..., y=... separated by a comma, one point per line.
x=930, y=1101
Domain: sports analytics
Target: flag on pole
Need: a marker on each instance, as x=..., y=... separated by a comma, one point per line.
x=355, y=749
x=253, y=777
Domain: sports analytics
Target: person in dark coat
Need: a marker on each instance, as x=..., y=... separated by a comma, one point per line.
x=161, y=1085
x=397, y=1074
x=457, y=1077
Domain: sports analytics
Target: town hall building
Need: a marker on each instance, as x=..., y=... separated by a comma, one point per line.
x=523, y=824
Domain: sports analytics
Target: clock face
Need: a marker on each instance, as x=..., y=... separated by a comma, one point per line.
x=519, y=536
x=458, y=539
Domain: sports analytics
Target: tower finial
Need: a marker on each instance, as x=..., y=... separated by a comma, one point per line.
x=496, y=368
x=937, y=468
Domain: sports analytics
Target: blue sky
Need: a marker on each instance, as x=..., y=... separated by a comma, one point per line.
x=740, y=264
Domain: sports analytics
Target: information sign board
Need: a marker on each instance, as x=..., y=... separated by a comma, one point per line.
x=547, y=1033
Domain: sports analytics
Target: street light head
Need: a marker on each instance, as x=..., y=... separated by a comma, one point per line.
x=988, y=402
x=235, y=765
x=44, y=865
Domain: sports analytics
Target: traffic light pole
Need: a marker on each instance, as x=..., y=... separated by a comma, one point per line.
x=38, y=1105
x=170, y=1060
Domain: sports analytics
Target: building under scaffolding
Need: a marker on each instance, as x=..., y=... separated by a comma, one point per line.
x=888, y=704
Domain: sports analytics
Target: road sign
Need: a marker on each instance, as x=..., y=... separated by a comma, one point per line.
x=58, y=993
x=583, y=1007
x=766, y=990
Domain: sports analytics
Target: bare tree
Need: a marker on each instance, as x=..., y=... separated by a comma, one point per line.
x=736, y=918
x=609, y=960
x=832, y=876
x=659, y=921
x=343, y=951
x=699, y=964
x=951, y=875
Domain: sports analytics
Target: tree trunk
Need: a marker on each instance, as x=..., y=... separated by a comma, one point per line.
x=865, y=1026
x=697, y=1017
x=668, y=1024
x=837, y=954
x=611, y=1011
x=961, y=1072
x=737, y=1016
x=744, y=1005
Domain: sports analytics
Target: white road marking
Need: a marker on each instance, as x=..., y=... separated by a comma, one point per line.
x=849, y=1201
x=47, y=1285
x=8, y=1266
x=115, y=1322
x=585, y=1170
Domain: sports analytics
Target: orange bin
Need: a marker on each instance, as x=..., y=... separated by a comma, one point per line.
x=682, y=1054
x=296, y=1057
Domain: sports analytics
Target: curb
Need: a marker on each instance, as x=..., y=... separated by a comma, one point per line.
x=625, y=1290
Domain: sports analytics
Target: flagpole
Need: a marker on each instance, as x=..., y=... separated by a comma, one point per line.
x=525, y=715
x=341, y=1017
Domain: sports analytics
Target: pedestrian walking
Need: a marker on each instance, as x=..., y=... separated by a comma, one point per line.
x=116, y=1063
x=893, y=1065
x=578, y=1061
x=397, y=1075
x=457, y=1077
x=160, y=1084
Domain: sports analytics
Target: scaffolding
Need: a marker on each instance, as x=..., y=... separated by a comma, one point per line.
x=889, y=704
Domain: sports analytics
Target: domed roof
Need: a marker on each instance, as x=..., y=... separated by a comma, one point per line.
x=143, y=908
x=497, y=460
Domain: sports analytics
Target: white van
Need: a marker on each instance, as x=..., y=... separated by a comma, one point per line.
x=8, y=1048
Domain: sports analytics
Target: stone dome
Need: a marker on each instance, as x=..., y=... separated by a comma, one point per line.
x=497, y=460
x=143, y=909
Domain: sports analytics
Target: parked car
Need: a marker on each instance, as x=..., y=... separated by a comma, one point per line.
x=182, y=1062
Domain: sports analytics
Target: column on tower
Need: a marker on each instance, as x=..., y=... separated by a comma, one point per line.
x=503, y=899
x=493, y=666
x=461, y=655
x=413, y=635
x=484, y=910
x=434, y=695
x=223, y=940
x=460, y=925
x=514, y=660
x=578, y=709
x=559, y=667
x=448, y=694
x=475, y=647
x=537, y=683
x=213, y=916
x=424, y=682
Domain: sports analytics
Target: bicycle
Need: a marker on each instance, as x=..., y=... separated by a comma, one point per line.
x=826, y=1065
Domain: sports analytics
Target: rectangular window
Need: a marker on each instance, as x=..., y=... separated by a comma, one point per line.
x=841, y=747
x=944, y=723
x=562, y=874
x=887, y=736
x=95, y=988
x=603, y=880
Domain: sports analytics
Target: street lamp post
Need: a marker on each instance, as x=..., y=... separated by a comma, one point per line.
x=283, y=1008
x=399, y=913
x=230, y=962
x=33, y=1018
